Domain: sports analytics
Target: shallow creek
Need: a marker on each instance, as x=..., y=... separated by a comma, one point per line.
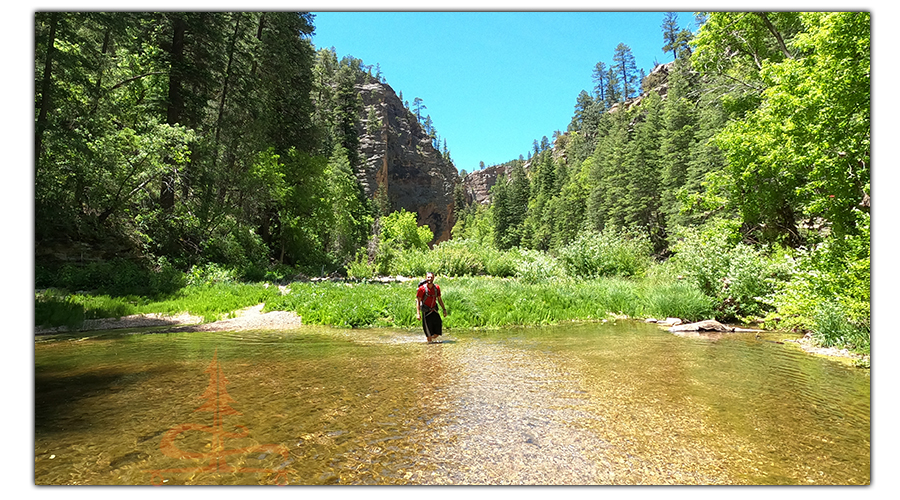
x=623, y=403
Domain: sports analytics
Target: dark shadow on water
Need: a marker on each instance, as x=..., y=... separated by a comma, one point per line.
x=57, y=396
x=90, y=325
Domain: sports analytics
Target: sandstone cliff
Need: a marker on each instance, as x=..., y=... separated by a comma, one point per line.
x=478, y=183
x=399, y=159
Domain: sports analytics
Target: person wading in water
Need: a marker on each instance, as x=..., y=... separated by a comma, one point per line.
x=428, y=296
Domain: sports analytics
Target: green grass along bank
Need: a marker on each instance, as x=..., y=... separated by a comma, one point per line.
x=473, y=302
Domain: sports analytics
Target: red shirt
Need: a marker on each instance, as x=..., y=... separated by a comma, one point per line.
x=429, y=299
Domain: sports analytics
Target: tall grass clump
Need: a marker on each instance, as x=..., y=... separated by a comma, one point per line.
x=679, y=300
x=458, y=258
x=610, y=252
x=831, y=328
x=52, y=309
x=500, y=263
x=473, y=302
x=211, y=301
x=350, y=305
x=360, y=268
x=448, y=258
x=411, y=262
x=210, y=274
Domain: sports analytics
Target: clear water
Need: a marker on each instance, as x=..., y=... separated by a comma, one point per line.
x=586, y=404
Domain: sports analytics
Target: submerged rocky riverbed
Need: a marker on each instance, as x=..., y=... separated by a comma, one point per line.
x=621, y=402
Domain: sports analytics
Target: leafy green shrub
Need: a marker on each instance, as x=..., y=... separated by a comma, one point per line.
x=52, y=309
x=118, y=277
x=44, y=276
x=209, y=274
x=278, y=273
x=401, y=228
x=608, y=253
x=534, y=266
x=747, y=284
x=360, y=268
x=836, y=272
x=500, y=263
x=166, y=278
x=239, y=247
x=738, y=277
x=413, y=262
x=398, y=234
x=452, y=258
x=458, y=258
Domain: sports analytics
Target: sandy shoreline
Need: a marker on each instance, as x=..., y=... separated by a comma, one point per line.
x=250, y=318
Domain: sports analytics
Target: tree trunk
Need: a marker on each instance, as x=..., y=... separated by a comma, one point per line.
x=237, y=24
x=100, y=67
x=41, y=124
x=175, y=104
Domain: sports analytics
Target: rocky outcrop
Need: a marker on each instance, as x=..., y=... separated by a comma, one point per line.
x=657, y=80
x=400, y=161
x=478, y=183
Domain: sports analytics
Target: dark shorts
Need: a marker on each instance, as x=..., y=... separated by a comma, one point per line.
x=431, y=323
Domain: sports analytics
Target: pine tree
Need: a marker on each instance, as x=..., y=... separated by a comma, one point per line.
x=418, y=107
x=626, y=69
x=613, y=94
x=607, y=176
x=643, y=200
x=500, y=213
x=679, y=139
x=348, y=107
x=582, y=106
x=670, y=33
x=599, y=77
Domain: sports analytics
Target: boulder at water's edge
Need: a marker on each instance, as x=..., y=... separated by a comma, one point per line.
x=709, y=325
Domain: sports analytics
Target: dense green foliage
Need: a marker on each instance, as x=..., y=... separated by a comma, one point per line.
x=223, y=147
x=750, y=178
x=197, y=137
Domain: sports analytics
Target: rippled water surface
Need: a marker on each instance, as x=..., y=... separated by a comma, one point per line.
x=586, y=404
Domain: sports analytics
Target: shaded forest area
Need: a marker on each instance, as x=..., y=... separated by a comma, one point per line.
x=189, y=138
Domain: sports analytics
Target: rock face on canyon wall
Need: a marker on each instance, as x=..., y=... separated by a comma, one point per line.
x=400, y=162
x=478, y=183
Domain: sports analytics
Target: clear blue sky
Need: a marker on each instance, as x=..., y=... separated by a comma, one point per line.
x=493, y=82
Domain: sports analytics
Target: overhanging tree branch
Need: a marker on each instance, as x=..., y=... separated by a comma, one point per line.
x=129, y=80
x=775, y=33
